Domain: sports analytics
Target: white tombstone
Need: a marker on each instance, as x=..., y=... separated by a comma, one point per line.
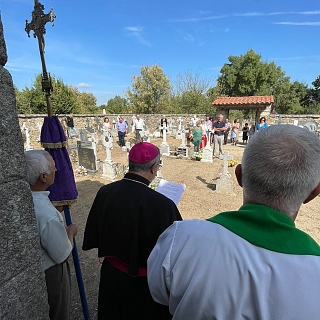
x=134, y=118
x=164, y=147
x=39, y=125
x=180, y=120
x=108, y=167
x=170, y=125
x=94, y=141
x=183, y=150
x=144, y=133
x=26, y=130
x=128, y=145
x=207, y=151
x=224, y=183
x=164, y=133
x=194, y=120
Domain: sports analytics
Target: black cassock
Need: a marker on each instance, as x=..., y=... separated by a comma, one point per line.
x=124, y=222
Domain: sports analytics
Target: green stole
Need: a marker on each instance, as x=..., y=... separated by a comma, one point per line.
x=267, y=228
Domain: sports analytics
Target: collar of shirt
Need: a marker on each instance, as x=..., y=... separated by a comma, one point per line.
x=267, y=228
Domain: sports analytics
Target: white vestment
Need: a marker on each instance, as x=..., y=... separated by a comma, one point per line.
x=204, y=271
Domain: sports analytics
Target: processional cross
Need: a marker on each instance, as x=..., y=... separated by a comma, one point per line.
x=37, y=24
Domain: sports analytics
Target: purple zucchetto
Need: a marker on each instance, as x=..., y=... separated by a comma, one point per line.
x=143, y=152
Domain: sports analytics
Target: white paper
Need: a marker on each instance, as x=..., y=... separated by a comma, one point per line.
x=171, y=190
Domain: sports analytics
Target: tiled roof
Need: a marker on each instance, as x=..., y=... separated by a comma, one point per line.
x=221, y=101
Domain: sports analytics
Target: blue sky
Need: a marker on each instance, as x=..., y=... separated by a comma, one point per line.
x=98, y=45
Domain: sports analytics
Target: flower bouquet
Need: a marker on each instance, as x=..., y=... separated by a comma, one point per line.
x=81, y=171
x=232, y=163
x=199, y=156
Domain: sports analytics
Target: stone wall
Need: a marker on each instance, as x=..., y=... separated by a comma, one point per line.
x=152, y=120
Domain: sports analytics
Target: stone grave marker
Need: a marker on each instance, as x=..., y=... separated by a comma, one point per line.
x=86, y=157
x=170, y=126
x=207, y=150
x=88, y=127
x=39, y=125
x=164, y=147
x=108, y=166
x=183, y=149
x=224, y=183
x=26, y=130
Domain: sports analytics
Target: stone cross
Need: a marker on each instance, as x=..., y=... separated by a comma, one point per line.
x=26, y=130
x=134, y=118
x=164, y=132
x=108, y=143
x=39, y=125
x=144, y=134
x=183, y=137
x=225, y=157
x=180, y=121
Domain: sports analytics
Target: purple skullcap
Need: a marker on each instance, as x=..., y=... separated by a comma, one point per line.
x=143, y=152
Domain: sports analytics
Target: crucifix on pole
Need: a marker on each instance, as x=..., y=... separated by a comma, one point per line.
x=37, y=25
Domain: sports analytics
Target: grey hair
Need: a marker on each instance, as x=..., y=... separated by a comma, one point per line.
x=281, y=167
x=37, y=163
x=143, y=167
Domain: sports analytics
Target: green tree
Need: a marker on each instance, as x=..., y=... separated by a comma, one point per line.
x=289, y=96
x=116, y=105
x=150, y=90
x=86, y=103
x=247, y=75
x=191, y=92
x=64, y=98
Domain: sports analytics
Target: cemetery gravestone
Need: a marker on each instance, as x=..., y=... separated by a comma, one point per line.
x=182, y=149
x=207, y=151
x=88, y=128
x=26, y=130
x=86, y=157
x=224, y=183
x=108, y=167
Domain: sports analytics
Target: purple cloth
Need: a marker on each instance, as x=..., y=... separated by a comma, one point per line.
x=64, y=187
x=52, y=131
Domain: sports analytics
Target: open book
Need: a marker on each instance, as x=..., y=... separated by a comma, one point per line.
x=171, y=190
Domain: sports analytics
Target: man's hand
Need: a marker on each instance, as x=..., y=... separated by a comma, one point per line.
x=72, y=230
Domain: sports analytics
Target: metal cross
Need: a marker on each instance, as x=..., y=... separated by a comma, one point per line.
x=37, y=24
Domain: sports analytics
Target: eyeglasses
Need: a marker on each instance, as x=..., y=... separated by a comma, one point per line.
x=159, y=165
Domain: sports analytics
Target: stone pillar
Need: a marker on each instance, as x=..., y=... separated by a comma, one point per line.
x=22, y=284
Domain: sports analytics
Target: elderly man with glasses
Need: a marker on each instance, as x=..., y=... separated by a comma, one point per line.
x=124, y=223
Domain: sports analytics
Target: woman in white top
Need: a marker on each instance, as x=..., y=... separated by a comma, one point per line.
x=106, y=123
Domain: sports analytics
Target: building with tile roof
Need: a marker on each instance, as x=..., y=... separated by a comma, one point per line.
x=263, y=105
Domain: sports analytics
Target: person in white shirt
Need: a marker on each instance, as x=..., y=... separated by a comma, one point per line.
x=252, y=263
x=56, y=239
x=138, y=125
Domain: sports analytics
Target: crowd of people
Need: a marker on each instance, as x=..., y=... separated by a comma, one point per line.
x=218, y=132
x=243, y=264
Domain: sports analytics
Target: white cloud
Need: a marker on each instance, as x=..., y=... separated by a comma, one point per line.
x=84, y=85
x=298, y=23
x=136, y=33
x=246, y=14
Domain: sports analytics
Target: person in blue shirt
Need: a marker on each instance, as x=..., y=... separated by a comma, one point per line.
x=122, y=128
x=262, y=124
